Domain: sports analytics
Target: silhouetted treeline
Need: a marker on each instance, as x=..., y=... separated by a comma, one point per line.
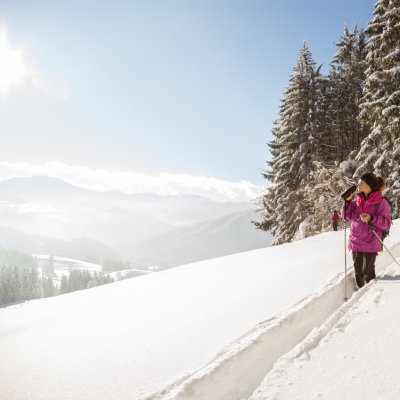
x=26, y=283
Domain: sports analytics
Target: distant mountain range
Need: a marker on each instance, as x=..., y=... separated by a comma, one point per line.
x=230, y=234
x=88, y=250
x=43, y=214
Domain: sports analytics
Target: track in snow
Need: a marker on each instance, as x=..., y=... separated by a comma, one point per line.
x=240, y=368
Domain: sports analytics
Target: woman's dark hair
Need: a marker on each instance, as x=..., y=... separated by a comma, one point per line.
x=382, y=183
x=373, y=181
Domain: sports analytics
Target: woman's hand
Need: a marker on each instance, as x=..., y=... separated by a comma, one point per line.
x=365, y=217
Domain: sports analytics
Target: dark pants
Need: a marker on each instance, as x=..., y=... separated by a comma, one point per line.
x=335, y=225
x=364, y=267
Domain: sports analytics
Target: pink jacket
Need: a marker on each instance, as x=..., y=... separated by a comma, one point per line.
x=361, y=238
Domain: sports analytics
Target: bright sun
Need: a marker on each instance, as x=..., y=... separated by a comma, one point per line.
x=12, y=67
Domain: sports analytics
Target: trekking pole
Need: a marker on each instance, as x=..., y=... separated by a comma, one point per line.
x=345, y=257
x=391, y=255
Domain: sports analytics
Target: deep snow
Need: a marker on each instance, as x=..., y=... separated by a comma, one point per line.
x=354, y=355
x=209, y=330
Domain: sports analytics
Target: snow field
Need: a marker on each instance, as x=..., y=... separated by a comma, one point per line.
x=240, y=368
x=238, y=371
x=208, y=330
x=353, y=355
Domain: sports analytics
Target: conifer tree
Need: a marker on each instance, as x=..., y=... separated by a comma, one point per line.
x=380, y=106
x=321, y=197
x=49, y=289
x=64, y=288
x=347, y=76
x=19, y=284
x=293, y=150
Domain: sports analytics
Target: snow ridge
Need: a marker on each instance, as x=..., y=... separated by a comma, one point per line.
x=238, y=370
x=338, y=322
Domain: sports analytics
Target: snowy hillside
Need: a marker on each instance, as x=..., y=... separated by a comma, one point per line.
x=226, y=235
x=209, y=330
x=353, y=355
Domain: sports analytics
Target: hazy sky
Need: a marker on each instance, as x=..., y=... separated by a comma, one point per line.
x=148, y=88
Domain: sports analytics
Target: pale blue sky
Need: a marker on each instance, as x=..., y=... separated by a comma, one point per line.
x=188, y=87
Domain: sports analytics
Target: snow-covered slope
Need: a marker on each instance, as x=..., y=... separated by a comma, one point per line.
x=353, y=355
x=216, y=238
x=209, y=330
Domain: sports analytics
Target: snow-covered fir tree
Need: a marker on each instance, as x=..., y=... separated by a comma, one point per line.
x=380, y=106
x=316, y=131
x=23, y=283
x=293, y=151
x=321, y=196
x=346, y=81
x=81, y=279
x=49, y=288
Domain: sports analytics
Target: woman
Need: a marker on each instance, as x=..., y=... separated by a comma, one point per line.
x=369, y=212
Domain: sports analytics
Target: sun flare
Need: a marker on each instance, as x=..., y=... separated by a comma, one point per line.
x=12, y=66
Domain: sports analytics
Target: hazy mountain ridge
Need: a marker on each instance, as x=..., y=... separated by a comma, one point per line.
x=83, y=249
x=229, y=234
x=45, y=215
x=58, y=209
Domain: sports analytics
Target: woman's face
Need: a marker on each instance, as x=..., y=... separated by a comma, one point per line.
x=364, y=187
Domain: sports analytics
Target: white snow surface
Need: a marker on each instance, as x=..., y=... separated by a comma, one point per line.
x=208, y=330
x=353, y=355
